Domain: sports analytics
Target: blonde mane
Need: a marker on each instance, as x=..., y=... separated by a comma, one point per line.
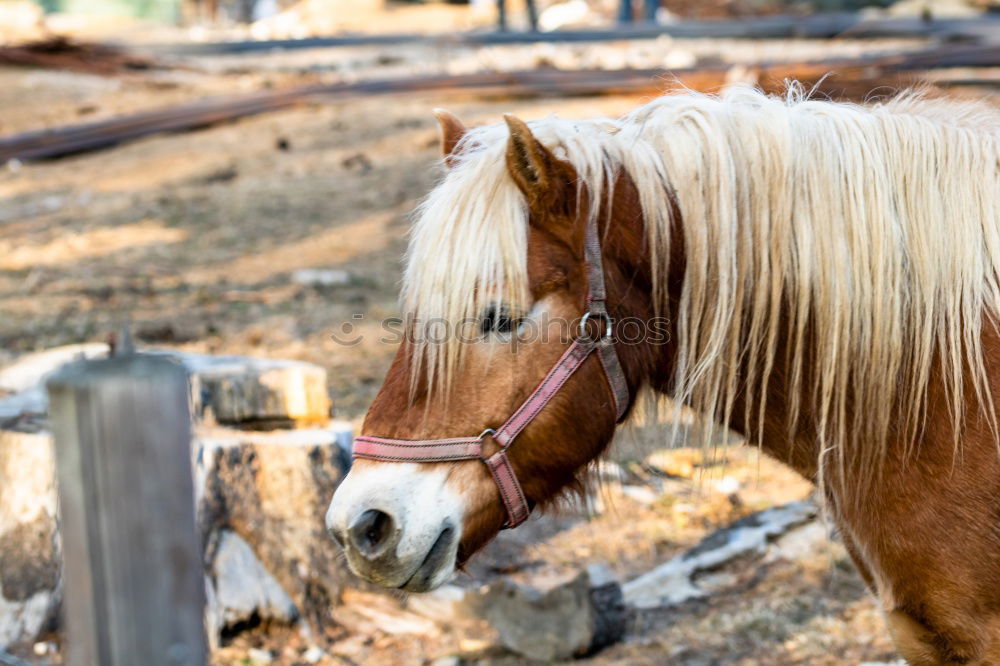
x=866, y=237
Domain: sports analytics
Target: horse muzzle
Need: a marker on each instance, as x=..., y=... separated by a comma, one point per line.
x=399, y=525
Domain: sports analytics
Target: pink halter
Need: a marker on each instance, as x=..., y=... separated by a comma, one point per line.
x=471, y=448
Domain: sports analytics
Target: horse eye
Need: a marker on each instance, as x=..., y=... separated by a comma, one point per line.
x=497, y=318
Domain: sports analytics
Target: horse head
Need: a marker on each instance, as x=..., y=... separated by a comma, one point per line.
x=509, y=382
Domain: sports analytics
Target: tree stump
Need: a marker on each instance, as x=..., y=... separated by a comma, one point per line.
x=30, y=558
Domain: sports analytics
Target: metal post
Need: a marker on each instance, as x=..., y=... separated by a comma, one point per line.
x=134, y=582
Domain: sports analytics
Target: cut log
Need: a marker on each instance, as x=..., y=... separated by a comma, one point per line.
x=272, y=490
x=30, y=558
x=238, y=390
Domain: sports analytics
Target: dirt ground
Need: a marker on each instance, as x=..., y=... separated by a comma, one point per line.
x=194, y=238
x=803, y=604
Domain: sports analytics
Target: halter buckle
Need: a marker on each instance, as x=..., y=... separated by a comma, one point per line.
x=608, y=325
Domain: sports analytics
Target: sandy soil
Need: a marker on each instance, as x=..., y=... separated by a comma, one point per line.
x=195, y=237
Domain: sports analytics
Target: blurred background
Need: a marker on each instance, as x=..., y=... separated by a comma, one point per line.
x=234, y=178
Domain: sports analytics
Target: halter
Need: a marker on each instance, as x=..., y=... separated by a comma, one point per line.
x=471, y=448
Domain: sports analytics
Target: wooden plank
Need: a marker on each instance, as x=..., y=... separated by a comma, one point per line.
x=134, y=587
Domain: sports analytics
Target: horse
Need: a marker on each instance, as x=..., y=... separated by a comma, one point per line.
x=821, y=277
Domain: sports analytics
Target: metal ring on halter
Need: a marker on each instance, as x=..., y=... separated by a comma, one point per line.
x=492, y=432
x=608, y=325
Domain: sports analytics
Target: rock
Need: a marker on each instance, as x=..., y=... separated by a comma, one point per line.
x=30, y=576
x=272, y=490
x=572, y=619
x=313, y=654
x=244, y=588
x=318, y=277
x=672, y=583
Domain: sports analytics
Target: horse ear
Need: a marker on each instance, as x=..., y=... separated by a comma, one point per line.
x=532, y=166
x=452, y=131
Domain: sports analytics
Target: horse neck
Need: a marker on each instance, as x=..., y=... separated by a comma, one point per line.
x=629, y=274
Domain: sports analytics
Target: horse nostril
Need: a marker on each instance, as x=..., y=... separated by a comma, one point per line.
x=371, y=533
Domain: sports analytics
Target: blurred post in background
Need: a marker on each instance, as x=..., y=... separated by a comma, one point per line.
x=134, y=587
x=626, y=12
x=502, y=23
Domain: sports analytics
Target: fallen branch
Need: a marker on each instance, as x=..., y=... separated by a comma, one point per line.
x=672, y=583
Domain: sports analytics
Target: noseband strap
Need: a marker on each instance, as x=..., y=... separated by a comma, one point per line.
x=472, y=448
